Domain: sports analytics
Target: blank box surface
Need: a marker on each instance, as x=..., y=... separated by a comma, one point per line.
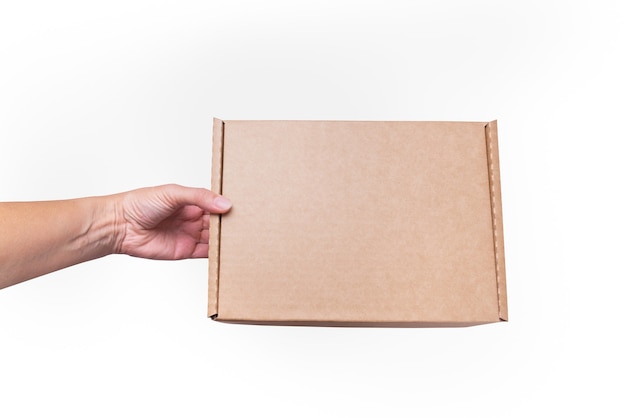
x=357, y=223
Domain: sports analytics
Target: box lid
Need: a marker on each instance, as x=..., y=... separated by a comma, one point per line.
x=357, y=223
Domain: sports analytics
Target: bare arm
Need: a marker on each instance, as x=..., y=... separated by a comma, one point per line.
x=164, y=222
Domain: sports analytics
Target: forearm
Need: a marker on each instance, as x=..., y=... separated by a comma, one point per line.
x=168, y=222
x=39, y=237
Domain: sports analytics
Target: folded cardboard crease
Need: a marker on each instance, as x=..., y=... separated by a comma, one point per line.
x=491, y=134
x=262, y=268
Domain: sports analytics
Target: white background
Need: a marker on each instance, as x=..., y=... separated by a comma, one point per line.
x=102, y=98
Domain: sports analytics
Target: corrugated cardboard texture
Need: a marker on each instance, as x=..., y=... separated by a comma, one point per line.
x=357, y=223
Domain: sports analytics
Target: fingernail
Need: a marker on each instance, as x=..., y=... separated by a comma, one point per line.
x=222, y=203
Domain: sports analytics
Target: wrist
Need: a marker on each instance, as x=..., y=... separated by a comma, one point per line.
x=105, y=232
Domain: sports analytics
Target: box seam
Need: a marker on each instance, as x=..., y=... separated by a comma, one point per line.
x=219, y=225
x=494, y=214
x=216, y=227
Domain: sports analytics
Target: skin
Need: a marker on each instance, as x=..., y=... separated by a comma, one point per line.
x=169, y=222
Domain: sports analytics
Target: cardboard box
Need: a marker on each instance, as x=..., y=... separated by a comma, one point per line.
x=357, y=224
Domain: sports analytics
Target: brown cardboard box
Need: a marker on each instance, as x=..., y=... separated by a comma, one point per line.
x=357, y=224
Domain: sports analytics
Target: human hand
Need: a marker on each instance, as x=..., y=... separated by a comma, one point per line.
x=168, y=222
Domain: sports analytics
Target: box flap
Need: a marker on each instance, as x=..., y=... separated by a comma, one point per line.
x=491, y=133
x=215, y=219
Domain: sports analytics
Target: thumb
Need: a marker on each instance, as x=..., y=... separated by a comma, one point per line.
x=203, y=198
x=220, y=204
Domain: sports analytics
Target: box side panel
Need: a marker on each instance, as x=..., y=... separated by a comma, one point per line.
x=313, y=245
x=215, y=220
x=491, y=133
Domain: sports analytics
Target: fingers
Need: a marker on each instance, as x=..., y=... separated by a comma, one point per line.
x=203, y=198
x=201, y=251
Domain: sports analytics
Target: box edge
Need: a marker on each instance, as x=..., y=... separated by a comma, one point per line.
x=495, y=192
x=356, y=324
x=217, y=159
